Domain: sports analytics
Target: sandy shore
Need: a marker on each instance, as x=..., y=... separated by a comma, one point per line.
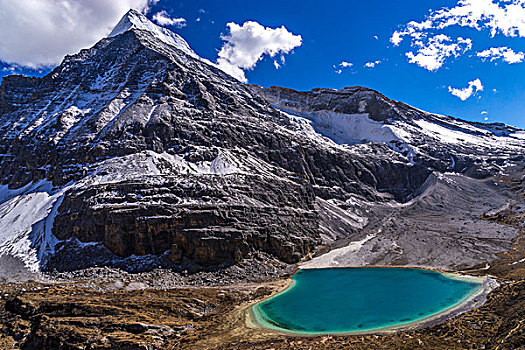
x=474, y=300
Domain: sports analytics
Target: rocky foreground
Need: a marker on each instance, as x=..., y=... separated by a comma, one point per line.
x=129, y=316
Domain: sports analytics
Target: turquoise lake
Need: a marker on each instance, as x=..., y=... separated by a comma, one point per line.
x=343, y=300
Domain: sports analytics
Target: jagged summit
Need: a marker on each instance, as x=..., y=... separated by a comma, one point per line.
x=133, y=19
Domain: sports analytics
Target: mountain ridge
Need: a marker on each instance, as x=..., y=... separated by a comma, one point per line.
x=134, y=153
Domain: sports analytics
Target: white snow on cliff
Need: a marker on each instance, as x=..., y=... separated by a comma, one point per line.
x=352, y=129
x=27, y=214
x=401, y=136
x=347, y=129
x=26, y=220
x=519, y=135
x=467, y=134
x=136, y=20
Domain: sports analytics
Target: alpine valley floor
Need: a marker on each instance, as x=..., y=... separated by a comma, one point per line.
x=125, y=316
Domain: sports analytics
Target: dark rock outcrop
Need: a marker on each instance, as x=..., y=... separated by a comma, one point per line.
x=227, y=219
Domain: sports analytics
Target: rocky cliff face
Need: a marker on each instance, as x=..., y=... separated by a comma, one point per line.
x=209, y=219
x=140, y=145
x=355, y=115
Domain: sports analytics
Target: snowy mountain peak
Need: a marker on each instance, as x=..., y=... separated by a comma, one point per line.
x=133, y=19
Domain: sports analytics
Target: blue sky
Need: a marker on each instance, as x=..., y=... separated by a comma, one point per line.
x=360, y=32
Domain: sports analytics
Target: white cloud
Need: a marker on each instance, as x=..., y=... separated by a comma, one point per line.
x=246, y=45
x=396, y=38
x=276, y=64
x=339, y=67
x=498, y=16
x=40, y=33
x=163, y=19
x=431, y=54
x=414, y=29
x=372, y=64
x=463, y=94
x=504, y=53
x=506, y=17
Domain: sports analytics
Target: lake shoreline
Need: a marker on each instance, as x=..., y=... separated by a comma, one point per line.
x=254, y=319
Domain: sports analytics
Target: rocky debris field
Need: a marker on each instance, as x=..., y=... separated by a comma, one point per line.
x=123, y=314
x=445, y=227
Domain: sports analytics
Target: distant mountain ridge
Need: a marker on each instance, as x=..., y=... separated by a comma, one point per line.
x=356, y=114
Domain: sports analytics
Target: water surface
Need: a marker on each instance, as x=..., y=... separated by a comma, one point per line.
x=344, y=300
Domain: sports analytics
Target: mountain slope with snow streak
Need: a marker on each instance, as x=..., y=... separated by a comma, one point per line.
x=137, y=147
x=359, y=115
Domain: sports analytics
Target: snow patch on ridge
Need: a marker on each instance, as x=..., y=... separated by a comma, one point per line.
x=445, y=134
x=26, y=219
x=518, y=135
x=469, y=134
x=352, y=129
x=27, y=214
x=136, y=20
x=401, y=136
x=331, y=258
